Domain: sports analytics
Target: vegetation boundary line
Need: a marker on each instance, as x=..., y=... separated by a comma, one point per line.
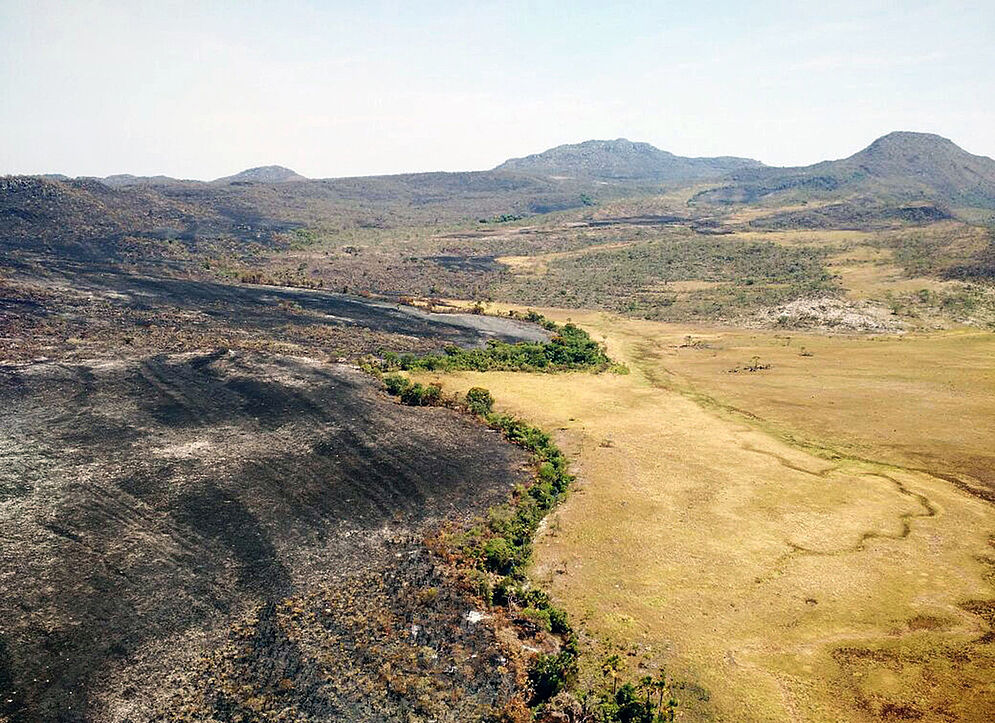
x=492, y=556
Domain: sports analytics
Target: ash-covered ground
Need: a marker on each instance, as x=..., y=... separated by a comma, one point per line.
x=79, y=313
x=233, y=535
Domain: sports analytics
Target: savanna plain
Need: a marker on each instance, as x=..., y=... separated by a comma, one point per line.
x=602, y=434
x=788, y=541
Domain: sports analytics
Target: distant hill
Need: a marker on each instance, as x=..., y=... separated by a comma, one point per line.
x=899, y=167
x=623, y=160
x=123, y=180
x=85, y=221
x=43, y=209
x=109, y=219
x=900, y=178
x=263, y=174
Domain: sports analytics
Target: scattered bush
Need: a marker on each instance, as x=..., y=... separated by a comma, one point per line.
x=498, y=555
x=396, y=384
x=502, y=544
x=549, y=674
x=479, y=401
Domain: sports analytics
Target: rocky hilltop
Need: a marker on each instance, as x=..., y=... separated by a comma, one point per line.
x=623, y=160
x=901, y=166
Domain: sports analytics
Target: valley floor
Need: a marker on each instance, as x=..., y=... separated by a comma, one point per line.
x=788, y=550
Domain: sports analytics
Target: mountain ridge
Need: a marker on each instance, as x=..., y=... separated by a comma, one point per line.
x=901, y=166
x=893, y=171
x=622, y=160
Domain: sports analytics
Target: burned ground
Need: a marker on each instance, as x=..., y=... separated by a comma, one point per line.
x=88, y=312
x=151, y=509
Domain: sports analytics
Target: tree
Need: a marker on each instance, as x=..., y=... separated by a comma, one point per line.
x=660, y=684
x=668, y=712
x=646, y=685
x=628, y=707
x=610, y=668
x=549, y=673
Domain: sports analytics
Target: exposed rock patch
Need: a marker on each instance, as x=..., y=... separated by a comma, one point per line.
x=828, y=313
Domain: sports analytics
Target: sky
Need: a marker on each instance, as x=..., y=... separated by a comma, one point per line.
x=205, y=89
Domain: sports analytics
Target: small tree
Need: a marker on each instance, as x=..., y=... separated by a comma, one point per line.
x=550, y=673
x=664, y=712
x=609, y=669
x=628, y=707
x=479, y=401
x=646, y=685
x=660, y=685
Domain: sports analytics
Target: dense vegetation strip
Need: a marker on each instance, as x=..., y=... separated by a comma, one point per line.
x=495, y=552
x=570, y=347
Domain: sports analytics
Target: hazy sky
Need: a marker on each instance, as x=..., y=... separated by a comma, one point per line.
x=204, y=89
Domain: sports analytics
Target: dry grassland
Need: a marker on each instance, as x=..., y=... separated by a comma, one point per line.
x=538, y=264
x=789, y=580
x=920, y=400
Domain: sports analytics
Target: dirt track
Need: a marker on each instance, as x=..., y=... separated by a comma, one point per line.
x=146, y=506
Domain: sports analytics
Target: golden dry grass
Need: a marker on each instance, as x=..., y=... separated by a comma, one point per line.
x=538, y=264
x=822, y=237
x=868, y=272
x=919, y=400
x=788, y=585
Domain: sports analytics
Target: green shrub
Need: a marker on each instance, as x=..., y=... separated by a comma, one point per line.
x=498, y=555
x=504, y=591
x=500, y=518
x=539, y=617
x=396, y=384
x=417, y=395
x=549, y=674
x=479, y=400
x=570, y=348
x=558, y=622
x=481, y=585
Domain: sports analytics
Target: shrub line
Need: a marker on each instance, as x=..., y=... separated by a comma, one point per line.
x=494, y=553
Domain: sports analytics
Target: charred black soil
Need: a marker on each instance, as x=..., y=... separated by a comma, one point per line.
x=202, y=518
x=80, y=313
